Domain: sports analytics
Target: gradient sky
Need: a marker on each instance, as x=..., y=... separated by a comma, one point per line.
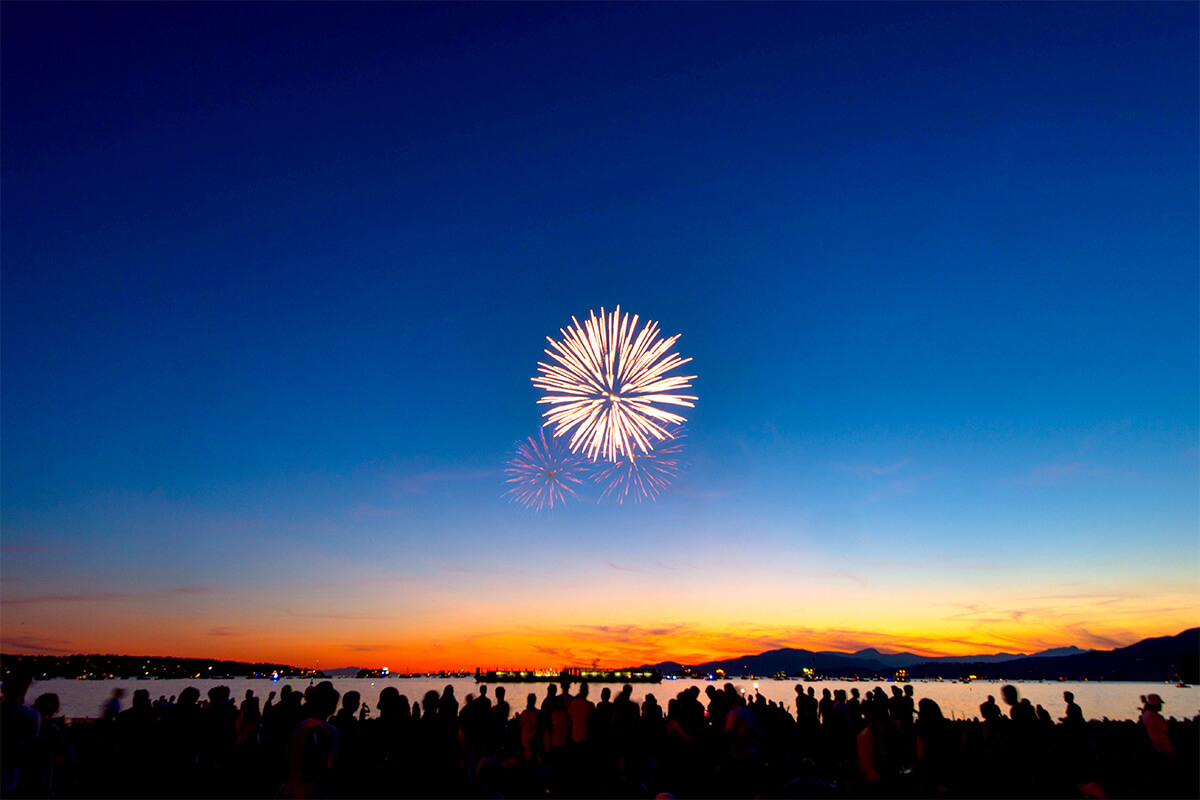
x=275, y=279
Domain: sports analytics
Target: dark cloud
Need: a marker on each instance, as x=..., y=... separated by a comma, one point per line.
x=34, y=644
x=222, y=630
x=1101, y=642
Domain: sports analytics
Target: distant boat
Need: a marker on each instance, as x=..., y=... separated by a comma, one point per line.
x=569, y=675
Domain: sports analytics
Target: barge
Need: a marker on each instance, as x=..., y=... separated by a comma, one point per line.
x=569, y=675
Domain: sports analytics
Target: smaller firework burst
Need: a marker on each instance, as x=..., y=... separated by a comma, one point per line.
x=642, y=476
x=544, y=472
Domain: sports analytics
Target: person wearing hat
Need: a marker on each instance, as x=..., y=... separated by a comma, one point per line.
x=1156, y=726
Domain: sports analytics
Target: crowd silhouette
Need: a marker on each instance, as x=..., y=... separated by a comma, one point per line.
x=719, y=743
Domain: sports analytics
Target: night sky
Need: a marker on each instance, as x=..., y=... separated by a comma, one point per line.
x=276, y=277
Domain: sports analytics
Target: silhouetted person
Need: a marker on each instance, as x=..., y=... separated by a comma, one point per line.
x=447, y=708
x=483, y=701
x=51, y=743
x=988, y=708
x=138, y=738
x=312, y=747
x=1155, y=726
x=1011, y=698
x=741, y=733
x=933, y=752
x=112, y=707
x=653, y=722
x=249, y=722
x=218, y=734
x=1043, y=717
x=580, y=711
x=349, y=769
x=825, y=707
x=854, y=709
x=501, y=710
x=560, y=721
x=181, y=734
x=806, y=708
x=1074, y=715
x=247, y=756
x=529, y=723
x=279, y=720
x=1020, y=743
x=875, y=759
x=897, y=706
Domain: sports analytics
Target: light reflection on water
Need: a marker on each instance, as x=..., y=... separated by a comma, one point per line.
x=1113, y=700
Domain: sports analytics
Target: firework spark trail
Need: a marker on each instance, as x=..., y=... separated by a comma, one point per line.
x=608, y=384
x=642, y=476
x=544, y=472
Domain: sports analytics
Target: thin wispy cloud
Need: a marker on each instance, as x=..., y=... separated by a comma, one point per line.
x=1064, y=473
x=901, y=487
x=105, y=597
x=983, y=616
x=835, y=575
x=951, y=563
x=367, y=511
x=886, y=480
x=1101, y=641
x=289, y=613
x=690, y=643
x=35, y=644
x=225, y=630
x=702, y=494
x=35, y=548
x=423, y=482
x=865, y=470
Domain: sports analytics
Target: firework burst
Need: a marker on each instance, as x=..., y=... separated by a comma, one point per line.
x=544, y=472
x=609, y=384
x=642, y=476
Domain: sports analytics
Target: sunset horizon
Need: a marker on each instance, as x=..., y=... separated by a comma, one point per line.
x=515, y=651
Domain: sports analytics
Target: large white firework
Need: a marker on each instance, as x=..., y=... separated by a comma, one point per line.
x=608, y=385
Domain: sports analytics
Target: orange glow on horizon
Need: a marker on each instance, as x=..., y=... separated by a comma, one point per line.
x=605, y=646
x=617, y=618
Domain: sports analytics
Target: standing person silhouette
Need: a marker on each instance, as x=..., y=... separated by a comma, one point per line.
x=18, y=735
x=1074, y=715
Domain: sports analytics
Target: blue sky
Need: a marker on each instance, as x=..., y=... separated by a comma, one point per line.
x=275, y=280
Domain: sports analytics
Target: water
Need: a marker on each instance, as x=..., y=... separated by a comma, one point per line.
x=1113, y=700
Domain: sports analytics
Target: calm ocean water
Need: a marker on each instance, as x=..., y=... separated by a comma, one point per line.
x=1112, y=700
